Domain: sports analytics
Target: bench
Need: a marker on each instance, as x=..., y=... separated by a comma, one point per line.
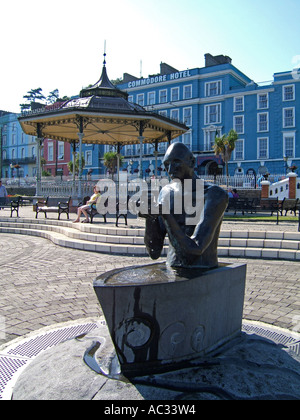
x=288, y=204
x=255, y=205
x=53, y=205
x=92, y=212
x=12, y=203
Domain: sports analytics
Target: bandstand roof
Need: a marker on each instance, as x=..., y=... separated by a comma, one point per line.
x=104, y=115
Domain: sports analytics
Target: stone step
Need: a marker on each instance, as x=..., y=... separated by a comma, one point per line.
x=128, y=240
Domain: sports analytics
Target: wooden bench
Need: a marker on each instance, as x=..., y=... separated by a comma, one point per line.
x=92, y=212
x=288, y=204
x=12, y=203
x=53, y=205
x=255, y=205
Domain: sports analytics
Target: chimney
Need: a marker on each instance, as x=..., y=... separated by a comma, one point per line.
x=216, y=60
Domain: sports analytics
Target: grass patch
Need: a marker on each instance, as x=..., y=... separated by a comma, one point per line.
x=260, y=218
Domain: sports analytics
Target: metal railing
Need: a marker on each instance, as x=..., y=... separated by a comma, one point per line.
x=65, y=186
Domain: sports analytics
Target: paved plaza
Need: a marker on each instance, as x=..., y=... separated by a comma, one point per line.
x=43, y=284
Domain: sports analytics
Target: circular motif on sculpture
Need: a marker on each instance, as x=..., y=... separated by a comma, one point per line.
x=135, y=331
x=197, y=338
x=172, y=338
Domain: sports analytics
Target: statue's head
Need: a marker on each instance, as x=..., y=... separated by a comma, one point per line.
x=179, y=161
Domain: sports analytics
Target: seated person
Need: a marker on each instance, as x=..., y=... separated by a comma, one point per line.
x=230, y=193
x=189, y=245
x=89, y=204
x=235, y=193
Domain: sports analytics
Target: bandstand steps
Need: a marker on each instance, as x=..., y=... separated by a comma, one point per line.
x=130, y=241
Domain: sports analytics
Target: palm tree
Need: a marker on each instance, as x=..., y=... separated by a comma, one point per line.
x=111, y=161
x=224, y=146
x=70, y=164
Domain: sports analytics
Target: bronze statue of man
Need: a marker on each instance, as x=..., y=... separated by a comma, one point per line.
x=190, y=245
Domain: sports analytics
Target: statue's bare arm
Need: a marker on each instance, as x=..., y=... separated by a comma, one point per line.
x=215, y=204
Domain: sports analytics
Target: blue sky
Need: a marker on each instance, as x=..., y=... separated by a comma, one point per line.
x=59, y=44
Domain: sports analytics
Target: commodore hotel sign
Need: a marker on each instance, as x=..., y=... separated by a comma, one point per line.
x=159, y=79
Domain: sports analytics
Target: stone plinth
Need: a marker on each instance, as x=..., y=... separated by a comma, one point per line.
x=159, y=317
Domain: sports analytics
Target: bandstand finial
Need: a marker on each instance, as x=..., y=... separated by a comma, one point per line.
x=104, y=55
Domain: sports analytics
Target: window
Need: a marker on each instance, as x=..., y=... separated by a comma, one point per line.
x=263, y=148
x=162, y=147
x=238, y=124
x=88, y=157
x=187, y=116
x=289, y=145
x=13, y=154
x=174, y=114
x=4, y=140
x=140, y=99
x=209, y=137
x=263, y=122
x=50, y=151
x=22, y=153
x=288, y=117
x=163, y=113
x=130, y=98
x=163, y=96
x=239, y=150
x=4, y=154
x=13, y=141
x=174, y=94
x=213, y=88
x=187, y=139
x=262, y=101
x=239, y=104
x=187, y=92
x=61, y=150
x=288, y=93
x=128, y=150
x=212, y=114
x=151, y=98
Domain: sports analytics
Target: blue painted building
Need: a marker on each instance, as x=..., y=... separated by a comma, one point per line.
x=17, y=150
x=216, y=98
x=210, y=101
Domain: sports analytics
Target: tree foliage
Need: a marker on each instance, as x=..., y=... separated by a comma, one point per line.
x=225, y=145
x=70, y=164
x=36, y=95
x=111, y=161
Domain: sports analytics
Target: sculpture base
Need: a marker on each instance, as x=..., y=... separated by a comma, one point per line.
x=159, y=317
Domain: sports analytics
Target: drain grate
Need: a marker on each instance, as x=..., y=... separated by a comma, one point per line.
x=17, y=357
x=34, y=346
x=277, y=336
x=8, y=367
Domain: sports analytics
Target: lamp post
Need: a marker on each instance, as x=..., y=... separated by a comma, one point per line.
x=285, y=158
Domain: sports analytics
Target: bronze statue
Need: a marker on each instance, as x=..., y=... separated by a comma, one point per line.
x=190, y=245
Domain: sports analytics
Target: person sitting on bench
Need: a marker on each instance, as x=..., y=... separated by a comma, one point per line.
x=90, y=203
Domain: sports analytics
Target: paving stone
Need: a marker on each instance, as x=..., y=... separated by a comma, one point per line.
x=42, y=283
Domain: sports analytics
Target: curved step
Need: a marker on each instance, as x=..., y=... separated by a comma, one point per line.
x=130, y=241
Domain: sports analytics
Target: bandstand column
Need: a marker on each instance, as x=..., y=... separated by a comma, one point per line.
x=141, y=140
x=80, y=136
x=74, y=171
x=39, y=140
x=156, y=154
